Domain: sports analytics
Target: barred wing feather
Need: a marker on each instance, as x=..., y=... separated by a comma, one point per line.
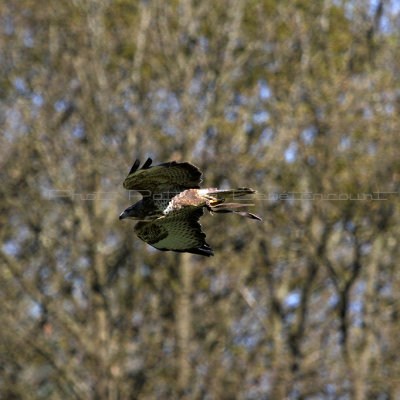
x=179, y=232
x=165, y=177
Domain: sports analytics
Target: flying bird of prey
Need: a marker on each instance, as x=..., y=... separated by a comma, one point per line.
x=172, y=204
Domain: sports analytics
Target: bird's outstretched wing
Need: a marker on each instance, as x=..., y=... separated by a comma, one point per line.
x=171, y=176
x=179, y=232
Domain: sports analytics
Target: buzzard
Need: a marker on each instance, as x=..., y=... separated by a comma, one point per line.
x=172, y=204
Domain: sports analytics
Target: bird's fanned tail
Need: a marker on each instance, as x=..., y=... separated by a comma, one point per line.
x=229, y=193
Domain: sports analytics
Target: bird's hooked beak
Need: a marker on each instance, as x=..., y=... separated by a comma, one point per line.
x=125, y=214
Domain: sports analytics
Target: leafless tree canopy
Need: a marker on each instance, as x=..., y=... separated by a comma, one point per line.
x=299, y=99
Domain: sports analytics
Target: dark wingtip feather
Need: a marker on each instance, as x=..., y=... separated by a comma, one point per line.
x=201, y=251
x=147, y=164
x=135, y=166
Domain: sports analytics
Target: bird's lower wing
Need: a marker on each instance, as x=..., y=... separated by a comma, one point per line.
x=179, y=232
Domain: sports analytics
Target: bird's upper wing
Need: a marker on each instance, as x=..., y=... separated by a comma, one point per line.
x=179, y=232
x=171, y=176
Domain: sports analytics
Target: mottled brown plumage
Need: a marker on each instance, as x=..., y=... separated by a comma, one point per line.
x=173, y=203
x=163, y=178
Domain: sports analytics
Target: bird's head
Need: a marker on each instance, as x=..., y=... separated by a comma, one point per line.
x=133, y=212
